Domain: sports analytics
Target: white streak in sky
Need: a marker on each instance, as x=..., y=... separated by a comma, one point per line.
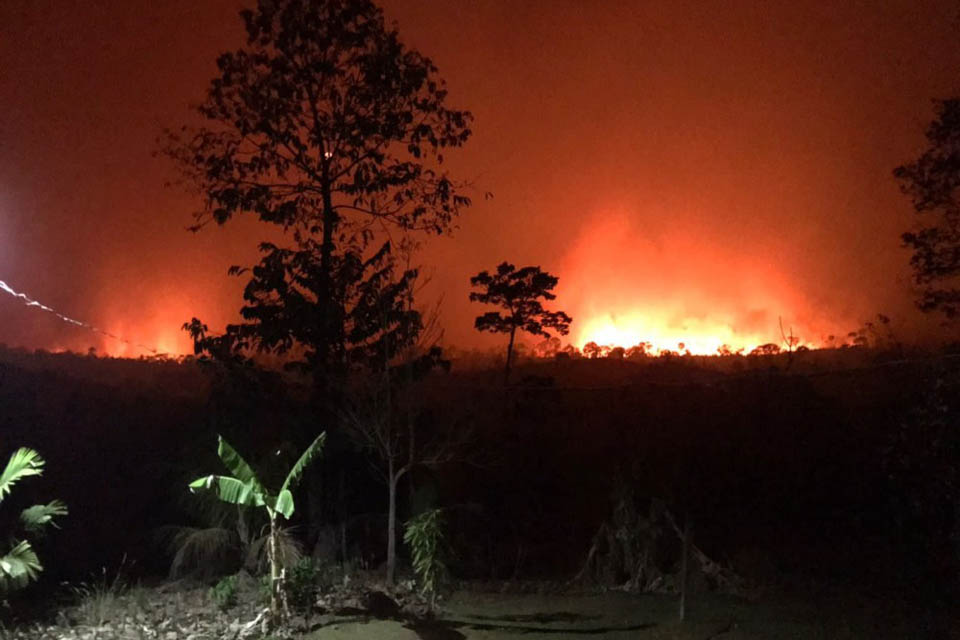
x=30, y=302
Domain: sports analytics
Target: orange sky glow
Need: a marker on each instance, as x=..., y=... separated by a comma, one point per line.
x=692, y=172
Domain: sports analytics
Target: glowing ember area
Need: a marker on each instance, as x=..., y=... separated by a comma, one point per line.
x=159, y=341
x=151, y=329
x=625, y=289
x=657, y=335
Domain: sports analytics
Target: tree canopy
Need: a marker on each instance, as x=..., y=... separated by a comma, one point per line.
x=325, y=113
x=328, y=126
x=932, y=182
x=283, y=312
x=519, y=293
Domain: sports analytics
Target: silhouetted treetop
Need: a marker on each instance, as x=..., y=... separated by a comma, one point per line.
x=518, y=292
x=282, y=314
x=325, y=124
x=323, y=114
x=932, y=181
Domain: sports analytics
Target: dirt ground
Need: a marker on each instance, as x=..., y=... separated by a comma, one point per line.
x=618, y=615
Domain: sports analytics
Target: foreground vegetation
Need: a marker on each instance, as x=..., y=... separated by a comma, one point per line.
x=846, y=512
x=184, y=612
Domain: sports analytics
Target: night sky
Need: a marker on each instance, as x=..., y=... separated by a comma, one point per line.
x=689, y=170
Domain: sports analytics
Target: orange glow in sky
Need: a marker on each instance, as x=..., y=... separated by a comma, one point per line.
x=725, y=168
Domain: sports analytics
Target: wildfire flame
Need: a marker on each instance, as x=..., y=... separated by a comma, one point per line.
x=114, y=340
x=696, y=336
x=681, y=293
x=624, y=287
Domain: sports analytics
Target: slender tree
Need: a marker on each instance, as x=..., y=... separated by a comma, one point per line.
x=387, y=415
x=326, y=125
x=518, y=292
x=932, y=182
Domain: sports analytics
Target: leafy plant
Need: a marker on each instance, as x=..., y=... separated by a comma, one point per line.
x=245, y=488
x=224, y=593
x=424, y=536
x=302, y=584
x=20, y=565
x=224, y=541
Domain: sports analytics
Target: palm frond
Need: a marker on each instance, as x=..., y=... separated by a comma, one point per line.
x=284, y=504
x=231, y=490
x=38, y=516
x=297, y=471
x=19, y=567
x=24, y=462
x=235, y=462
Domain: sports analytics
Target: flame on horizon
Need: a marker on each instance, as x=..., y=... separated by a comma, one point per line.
x=695, y=336
x=624, y=288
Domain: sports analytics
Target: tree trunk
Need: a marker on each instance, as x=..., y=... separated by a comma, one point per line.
x=275, y=614
x=392, y=525
x=330, y=343
x=343, y=518
x=506, y=374
x=684, y=563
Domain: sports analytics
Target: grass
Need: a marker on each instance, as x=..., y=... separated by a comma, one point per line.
x=100, y=602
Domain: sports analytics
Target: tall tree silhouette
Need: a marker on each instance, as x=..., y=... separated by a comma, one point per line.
x=326, y=125
x=519, y=292
x=932, y=182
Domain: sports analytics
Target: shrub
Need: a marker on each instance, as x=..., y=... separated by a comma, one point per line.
x=424, y=536
x=302, y=585
x=224, y=593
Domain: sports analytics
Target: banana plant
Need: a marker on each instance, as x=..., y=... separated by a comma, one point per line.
x=20, y=565
x=244, y=488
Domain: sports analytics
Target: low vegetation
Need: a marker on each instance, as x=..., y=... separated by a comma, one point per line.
x=245, y=489
x=424, y=536
x=20, y=565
